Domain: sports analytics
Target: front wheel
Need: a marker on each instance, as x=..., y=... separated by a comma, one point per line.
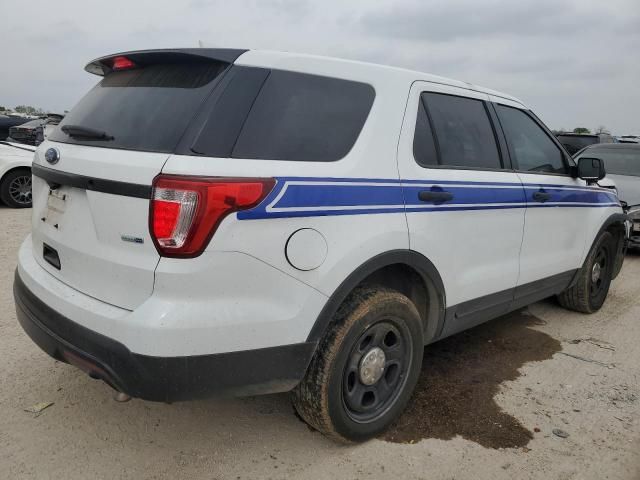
x=590, y=290
x=15, y=188
x=366, y=367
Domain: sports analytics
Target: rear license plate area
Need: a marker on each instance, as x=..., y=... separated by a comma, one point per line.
x=56, y=206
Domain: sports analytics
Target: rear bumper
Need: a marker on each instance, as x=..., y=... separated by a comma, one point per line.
x=167, y=379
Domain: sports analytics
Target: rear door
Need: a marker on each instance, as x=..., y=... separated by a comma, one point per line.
x=93, y=176
x=465, y=207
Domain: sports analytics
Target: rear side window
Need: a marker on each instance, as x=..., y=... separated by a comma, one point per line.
x=304, y=117
x=533, y=149
x=463, y=132
x=145, y=108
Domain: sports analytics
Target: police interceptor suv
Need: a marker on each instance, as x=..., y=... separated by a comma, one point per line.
x=212, y=221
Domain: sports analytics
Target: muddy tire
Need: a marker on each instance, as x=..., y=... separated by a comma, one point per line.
x=365, y=369
x=15, y=188
x=590, y=290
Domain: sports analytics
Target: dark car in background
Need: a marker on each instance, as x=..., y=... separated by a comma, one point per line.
x=31, y=132
x=8, y=121
x=26, y=133
x=575, y=142
x=622, y=164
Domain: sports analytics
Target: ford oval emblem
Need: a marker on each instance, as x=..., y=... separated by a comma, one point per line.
x=52, y=155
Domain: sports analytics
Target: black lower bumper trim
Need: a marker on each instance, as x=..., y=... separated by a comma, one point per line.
x=165, y=379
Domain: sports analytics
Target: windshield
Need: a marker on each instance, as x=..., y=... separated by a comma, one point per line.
x=145, y=108
x=619, y=161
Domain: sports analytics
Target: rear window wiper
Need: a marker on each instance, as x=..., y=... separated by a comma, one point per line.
x=78, y=131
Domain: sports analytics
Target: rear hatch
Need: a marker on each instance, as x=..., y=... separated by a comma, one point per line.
x=93, y=176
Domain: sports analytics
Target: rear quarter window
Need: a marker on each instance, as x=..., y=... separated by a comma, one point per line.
x=304, y=117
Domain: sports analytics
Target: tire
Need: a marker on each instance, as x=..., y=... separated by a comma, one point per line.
x=336, y=396
x=590, y=290
x=15, y=188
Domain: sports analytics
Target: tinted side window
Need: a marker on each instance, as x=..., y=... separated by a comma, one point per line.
x=304, y=117
x=424, y=148
x=532, y=148
x=463, y=131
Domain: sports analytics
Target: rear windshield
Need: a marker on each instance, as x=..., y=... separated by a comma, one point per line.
x=617, y=161
x=145, y=108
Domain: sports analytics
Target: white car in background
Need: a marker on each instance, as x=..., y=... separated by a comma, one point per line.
x=629, y=139
x=15, y=174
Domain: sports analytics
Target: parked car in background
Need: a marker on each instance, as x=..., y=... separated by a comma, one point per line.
x=26, y=133
x=574, y=142
x=622, y=164
x=629, y=139
x=8, y=121
x=32, y=132
x=15, y=174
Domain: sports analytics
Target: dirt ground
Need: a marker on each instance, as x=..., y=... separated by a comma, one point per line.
x=486, y=407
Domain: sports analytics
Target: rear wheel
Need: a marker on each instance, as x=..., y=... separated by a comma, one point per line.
x=365, y=369
x=15, y=188
x=590, y=290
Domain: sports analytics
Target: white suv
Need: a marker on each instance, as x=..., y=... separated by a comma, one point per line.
x=221, y=221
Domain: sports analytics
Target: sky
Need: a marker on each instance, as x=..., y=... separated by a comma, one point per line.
x=574, y=63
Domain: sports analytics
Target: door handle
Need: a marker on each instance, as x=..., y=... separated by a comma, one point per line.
x=541, y=196
x=436, y=197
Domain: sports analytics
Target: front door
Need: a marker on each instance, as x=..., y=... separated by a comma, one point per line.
x=557, y=204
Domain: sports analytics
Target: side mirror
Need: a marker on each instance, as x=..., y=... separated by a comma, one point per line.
x=591, y=169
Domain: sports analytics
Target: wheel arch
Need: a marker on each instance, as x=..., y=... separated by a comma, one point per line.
x=13, y=168
x=396, y=269
x=615, y=224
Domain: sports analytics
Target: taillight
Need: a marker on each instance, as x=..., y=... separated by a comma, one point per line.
x=185, y=211
x=122, y=63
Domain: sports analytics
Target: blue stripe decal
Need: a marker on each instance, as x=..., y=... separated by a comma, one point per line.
x=311, y=196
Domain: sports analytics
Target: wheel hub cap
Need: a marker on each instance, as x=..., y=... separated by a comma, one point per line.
x=20, y=190
x=596, y=272
x=372, y=366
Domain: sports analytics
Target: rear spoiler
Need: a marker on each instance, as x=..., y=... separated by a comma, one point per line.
x=101, y=66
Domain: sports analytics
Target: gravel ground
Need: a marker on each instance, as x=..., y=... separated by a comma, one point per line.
x=487, y=406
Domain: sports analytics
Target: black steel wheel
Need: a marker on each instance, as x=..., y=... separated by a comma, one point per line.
x=376, y=370
x=600, y=272
x=591, y=287
x=365, y=368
